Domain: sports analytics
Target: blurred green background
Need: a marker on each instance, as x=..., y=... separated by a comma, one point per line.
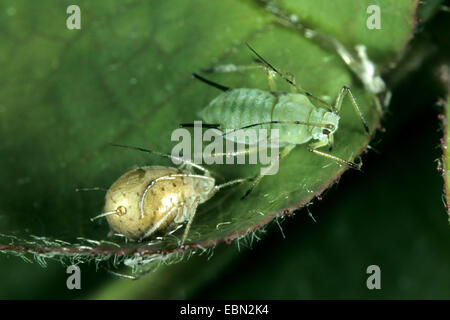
x=392, y=215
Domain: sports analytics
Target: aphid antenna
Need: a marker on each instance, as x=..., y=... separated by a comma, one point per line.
x=91, y=189
x=164, y=155
x=311, y=124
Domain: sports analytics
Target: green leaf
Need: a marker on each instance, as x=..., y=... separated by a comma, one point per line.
x=125, y=78
x=347, y=22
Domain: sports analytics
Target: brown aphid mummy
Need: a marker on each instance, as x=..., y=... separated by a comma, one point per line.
x=153, y=198
x=150, y=199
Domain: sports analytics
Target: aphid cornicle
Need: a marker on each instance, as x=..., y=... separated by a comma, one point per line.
x=149, y=199
x=298, y=120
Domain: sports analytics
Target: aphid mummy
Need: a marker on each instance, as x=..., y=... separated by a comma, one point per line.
x=298, y=120
x=151, y=199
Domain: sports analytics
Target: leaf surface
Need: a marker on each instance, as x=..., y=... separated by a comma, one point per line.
x=125, y=78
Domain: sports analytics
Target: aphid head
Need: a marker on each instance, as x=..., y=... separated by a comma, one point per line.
x=205, y=188
x=330, y=121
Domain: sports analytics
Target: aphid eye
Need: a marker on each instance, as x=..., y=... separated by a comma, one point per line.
x=326, y=131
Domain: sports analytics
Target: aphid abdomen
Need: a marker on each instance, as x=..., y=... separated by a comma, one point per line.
x=238, y=108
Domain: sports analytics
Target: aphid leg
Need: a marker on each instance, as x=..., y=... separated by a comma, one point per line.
x=292, y=78
x=314, y=146
x=259, y=177
x=187, y=229
x=236, y=153
x=270, y=78
x=330, y=141
x=233, y=182
x=216, y=188
x=232, y=68
x=346, y=90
